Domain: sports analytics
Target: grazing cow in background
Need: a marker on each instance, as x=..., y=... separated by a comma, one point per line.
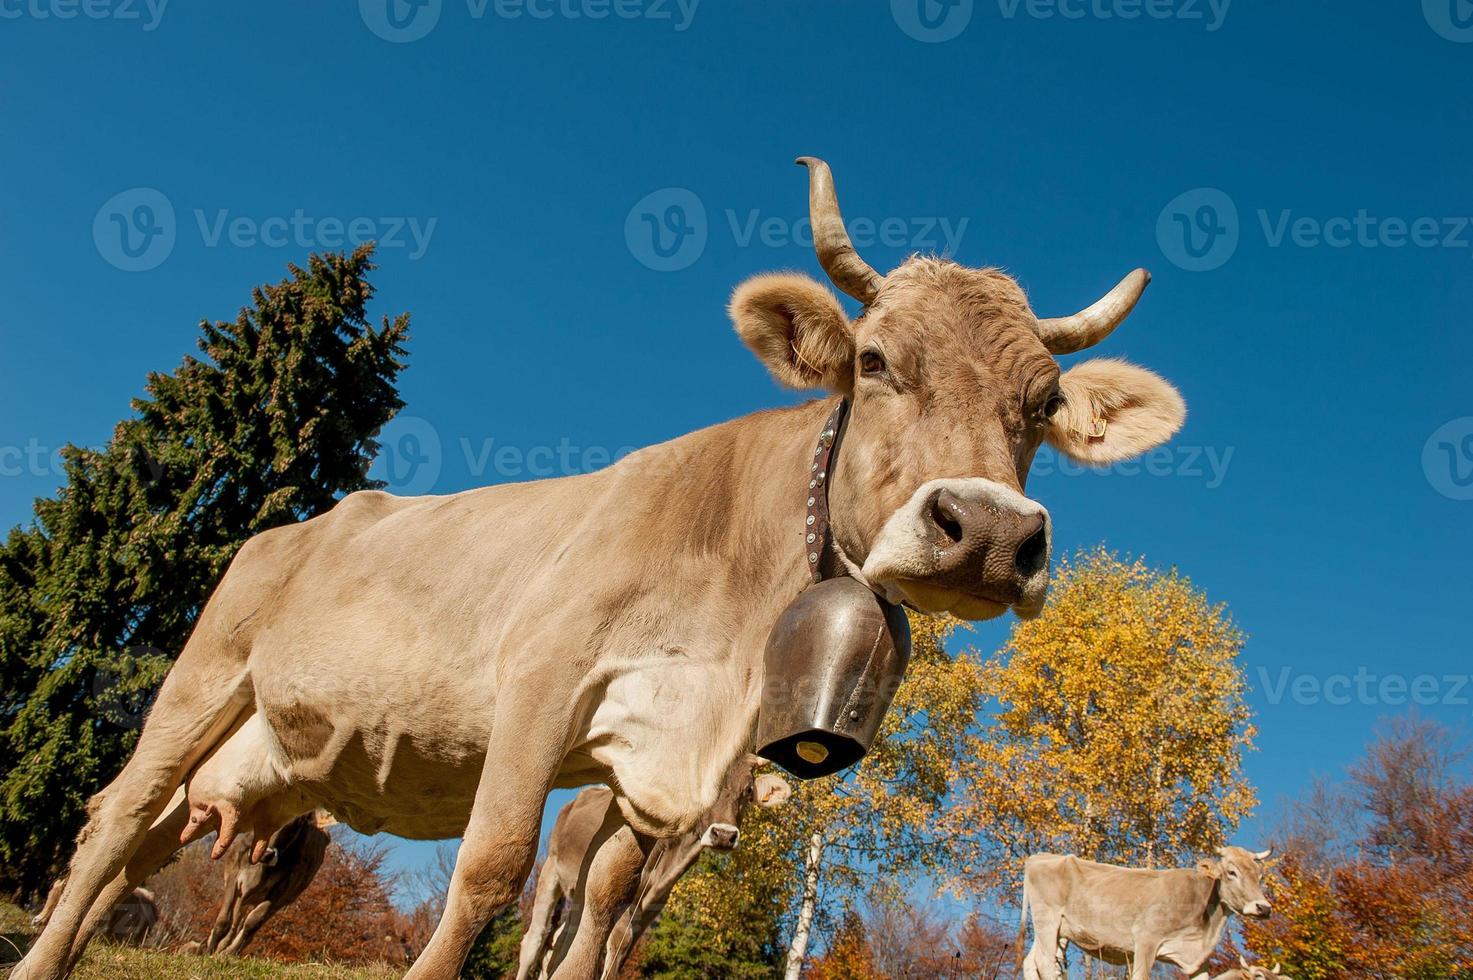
x=616, y=881
x=432, y=667
x=265, y=878
x=1134, y=916
x=127, y=923
x=1243, y=971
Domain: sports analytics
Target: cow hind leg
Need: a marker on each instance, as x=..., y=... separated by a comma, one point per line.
x=609, y=880
x=158, y=846
x=1047, y=947
x=198, y=703
x=544, y=911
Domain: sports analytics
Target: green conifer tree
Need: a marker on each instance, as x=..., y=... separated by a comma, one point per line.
x=272, y=425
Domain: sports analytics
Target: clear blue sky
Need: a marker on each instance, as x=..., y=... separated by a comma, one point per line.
x=1323, y=347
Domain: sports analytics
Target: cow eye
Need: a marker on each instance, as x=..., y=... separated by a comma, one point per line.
x=870, y=362
x=1052, y=406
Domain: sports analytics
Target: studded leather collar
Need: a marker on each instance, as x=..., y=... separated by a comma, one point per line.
x=817, y=534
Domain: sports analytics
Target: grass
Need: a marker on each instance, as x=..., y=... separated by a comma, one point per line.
x=105, y=961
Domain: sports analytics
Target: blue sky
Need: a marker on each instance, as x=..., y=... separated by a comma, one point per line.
x=1293, y=173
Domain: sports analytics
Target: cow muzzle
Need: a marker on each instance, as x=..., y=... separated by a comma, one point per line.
x=971, y=547
x=1258, y=910
x=721, y=837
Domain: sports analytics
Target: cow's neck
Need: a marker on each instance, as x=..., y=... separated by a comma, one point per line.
x=1215, y=917
x=729, y=503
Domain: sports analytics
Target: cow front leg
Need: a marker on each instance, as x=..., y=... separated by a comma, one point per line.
x=1145, y=959
x=252, y=922
x=500, y=842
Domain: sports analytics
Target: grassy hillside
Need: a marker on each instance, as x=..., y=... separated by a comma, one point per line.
x=108, y=962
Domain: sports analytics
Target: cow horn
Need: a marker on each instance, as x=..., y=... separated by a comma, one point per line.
x=1243, y=961
x=1264, y=854
x=831, y=241
x=1067, y=334
x=1277, y=968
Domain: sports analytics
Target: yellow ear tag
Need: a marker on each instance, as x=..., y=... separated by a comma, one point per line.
x=812, y=752
x=1097, y=429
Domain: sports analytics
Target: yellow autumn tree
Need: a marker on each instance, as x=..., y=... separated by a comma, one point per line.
x=1119, y=730
x=859, y=832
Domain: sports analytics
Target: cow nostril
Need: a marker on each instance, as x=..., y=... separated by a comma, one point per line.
x=946, y=511
x=1032, y=554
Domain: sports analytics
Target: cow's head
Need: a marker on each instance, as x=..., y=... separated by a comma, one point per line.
x=953, y=386
x=1259, y=972
x=741, y=790
x=1239, y=875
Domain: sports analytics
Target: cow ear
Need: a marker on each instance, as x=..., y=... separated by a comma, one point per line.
x=1113, y=411
x=797, y=328
x=772, y=790
x=1209, y=868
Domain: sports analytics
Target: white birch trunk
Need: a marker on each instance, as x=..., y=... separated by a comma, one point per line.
x=798, y=951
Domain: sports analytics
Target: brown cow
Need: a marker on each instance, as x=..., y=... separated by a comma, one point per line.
x=616, y=881
x=260, y=880
x=432, y=667
x=1134, y=916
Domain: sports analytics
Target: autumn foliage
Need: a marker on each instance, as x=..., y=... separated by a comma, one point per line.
x=1378, y=879
x=344, y=916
